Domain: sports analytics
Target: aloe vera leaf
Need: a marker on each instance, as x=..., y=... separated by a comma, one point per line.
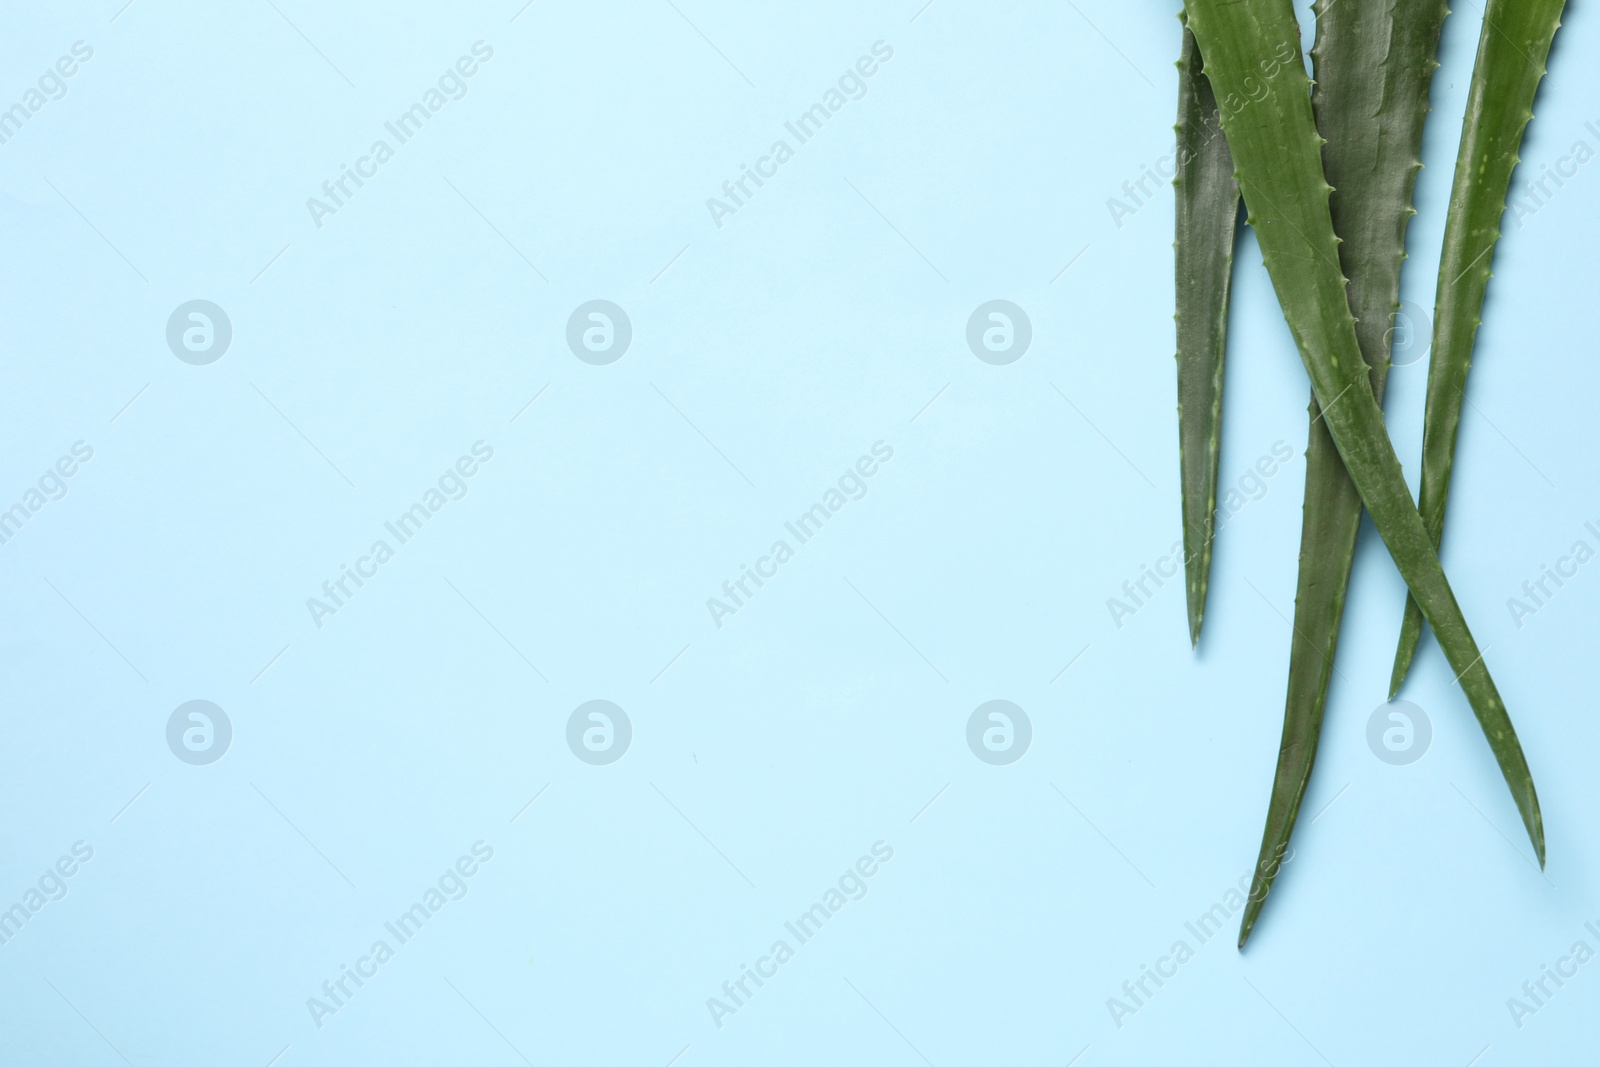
x=1373, y=65
x=1512, y=49
x=1253, y=60
x=1207, y=218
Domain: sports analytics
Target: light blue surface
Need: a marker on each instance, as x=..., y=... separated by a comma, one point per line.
x=830, y=713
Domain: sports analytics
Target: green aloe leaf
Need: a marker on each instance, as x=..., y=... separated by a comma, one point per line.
x=1253, y=60
x=1207, y=218
x=1512, y=49
x=1373, y=64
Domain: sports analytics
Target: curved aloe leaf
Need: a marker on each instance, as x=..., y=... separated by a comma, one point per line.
x=1373, y=65
x=1253, y=60
x=1512, y=49
x=1208, y=216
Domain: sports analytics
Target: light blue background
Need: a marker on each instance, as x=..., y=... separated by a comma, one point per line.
x=768, y=354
